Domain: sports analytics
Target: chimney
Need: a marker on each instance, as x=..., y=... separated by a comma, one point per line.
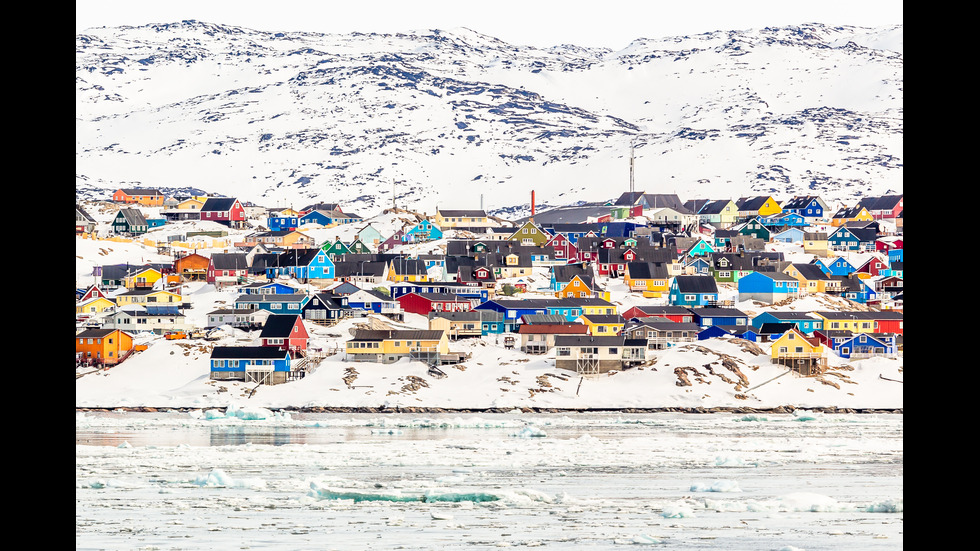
x=532, y=205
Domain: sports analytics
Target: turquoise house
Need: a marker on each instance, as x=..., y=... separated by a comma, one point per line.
x=421, y=232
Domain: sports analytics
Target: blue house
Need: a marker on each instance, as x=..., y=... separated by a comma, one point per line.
x=863, y=345
x=274, y=288
x=786, y=219
x=767, y=287
x=303, y=264
x=693, y=290
x=513, y=309
x=742, y=332
x=789, y=235
x=852, y=239
x=421, y=232
x=277, y=304
x=265, y=364
x=896, y=255
x=700, y=266
x=854, y=288
x=805, y=323
x=372, y=301
x=808, y=206
x=282, y=223
x=618, y=229
x=155, y=222
x=838, y=266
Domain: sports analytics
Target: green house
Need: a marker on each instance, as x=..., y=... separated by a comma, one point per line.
x=755, y=228
x=337, y=248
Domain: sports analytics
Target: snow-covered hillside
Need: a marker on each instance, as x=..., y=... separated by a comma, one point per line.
x=459, y=119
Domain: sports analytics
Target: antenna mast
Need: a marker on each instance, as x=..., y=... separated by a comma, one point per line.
x=631, y=167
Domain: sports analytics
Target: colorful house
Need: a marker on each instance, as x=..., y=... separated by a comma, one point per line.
x=192, y=267
x=706, y=317
x=461, y=219
x=224, y=210
x=603, y=324
x=867, y=345
x=539, y=338
x=648, y=278
x=811, y=278
x=422, y=232
x=851, y=214
x=92, y=306
x=563, y=246
x=761, y=205
x=148, y=296
x=677, y=314
x=884, y=207
x=800, y=353
x=285, y=331
x=807, y=206
x=253, y=364
x=852, y=239
x=102, y=346
x=145, y=197
x=282, y=222
x=693, y=290
x=130, y=222
x=390, y=345
x=227, y=268
x=275, y=304
x=304, y=265
x=423, y=303
x=530, y=234
x=720, y=213
x=755, y=227
x=803, y=321
x=407, y=269
x=768, y=287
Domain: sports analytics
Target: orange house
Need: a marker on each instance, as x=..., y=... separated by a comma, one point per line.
x=147, y=197
x=192, y=267
x=102, y=346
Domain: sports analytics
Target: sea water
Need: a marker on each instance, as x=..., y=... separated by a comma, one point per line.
x=223, y=480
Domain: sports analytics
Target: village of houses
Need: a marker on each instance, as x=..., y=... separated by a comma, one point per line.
x=597, y=289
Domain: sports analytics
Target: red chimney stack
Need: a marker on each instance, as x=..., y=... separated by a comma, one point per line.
x=532, y=202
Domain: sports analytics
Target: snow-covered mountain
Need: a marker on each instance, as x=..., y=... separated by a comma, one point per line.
x=459, y=119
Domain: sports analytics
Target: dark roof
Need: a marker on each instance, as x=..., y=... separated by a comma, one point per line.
x=774, y=328
x=553, y=329
x=396, y=334
x=547, y=319
x=604, y=318
x=238, y=352
x=278, y=325
x=695, y=284
x=752, y=203
x=463, y=213
x=134, y=217
x=229, y=261
x=472, y=315
x=718, y=312
x=810, y=271
x=665, y=200
x=590, y=340
x=439, y=297
x=629, y=198
x=218, y=204
x=94, y=333
x=883, y=202
x=140, y=191
x=647, y=270
x=370, y=268
x=664, y=310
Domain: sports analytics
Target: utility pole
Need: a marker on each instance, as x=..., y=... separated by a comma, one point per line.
x=631, y=166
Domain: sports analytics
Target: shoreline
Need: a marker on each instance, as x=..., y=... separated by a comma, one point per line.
x=531, y=410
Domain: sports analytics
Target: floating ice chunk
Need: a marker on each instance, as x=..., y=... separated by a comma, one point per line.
x=249, y=413
x=887, y=506
x=645, y=539
x=717, y=486
x=803, y=415
x=677, y=510
x=729, y=461
x=125, y=445
x=815, y=503
x=283, y=416
x=214, y=414
x=530, y=432
x=441, y=515
x=790, y=548
x=752, y=418
x=386, y=431
x=218, y=477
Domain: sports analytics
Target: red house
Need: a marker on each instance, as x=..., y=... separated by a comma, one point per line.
x=423, y=303
x=563, y=247
x=872, y=266
x=673, y=313
x=887, y=321
x=286, y=332
x=224, y=210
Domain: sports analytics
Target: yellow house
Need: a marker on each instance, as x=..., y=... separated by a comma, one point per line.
x=390, y=345
x=763, y=205
x=845, y=321
x=815, y=243
x=148, y=296
x=596, y=307
x=649, y=278
x=582, y=287
x=407, y=269
x=603, y=324
x=93, y=306
x=854, y=214
x=142, y=279
x=811, y=278
x=190, y=204
x=799, y=352
x=461, y=219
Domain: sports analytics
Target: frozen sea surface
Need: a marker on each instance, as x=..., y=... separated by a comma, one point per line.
x=269, y=480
